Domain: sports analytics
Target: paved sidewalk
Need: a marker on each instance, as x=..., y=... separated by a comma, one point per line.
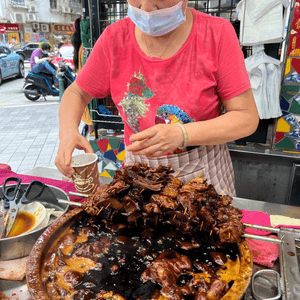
x=29, y=135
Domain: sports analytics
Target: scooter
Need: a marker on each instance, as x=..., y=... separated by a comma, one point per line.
x=42, y=84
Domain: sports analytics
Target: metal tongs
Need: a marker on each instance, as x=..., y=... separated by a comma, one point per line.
x=78, y=204
x=260, y=237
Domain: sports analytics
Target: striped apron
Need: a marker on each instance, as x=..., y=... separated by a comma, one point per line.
x=214, y=162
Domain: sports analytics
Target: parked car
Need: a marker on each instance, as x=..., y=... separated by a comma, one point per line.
x=11, y=64
x=25, y=49
x=64, y=52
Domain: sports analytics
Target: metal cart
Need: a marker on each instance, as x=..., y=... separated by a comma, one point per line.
x=110, y=120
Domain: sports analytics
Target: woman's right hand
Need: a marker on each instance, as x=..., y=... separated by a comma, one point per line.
x=72, y=105
x=69, y=142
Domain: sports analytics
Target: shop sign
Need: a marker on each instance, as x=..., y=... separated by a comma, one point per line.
x=10, y=27
x=63, y=28
x=13, y=38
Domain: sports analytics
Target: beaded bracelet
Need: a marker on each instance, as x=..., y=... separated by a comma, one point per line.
x=184, y=136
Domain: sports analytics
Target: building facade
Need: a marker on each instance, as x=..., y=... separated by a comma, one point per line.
x=38, y=20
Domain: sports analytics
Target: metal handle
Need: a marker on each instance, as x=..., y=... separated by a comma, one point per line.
x=265, y=274
x=69, y=202
x=260, y=227
x=261, y=238
x=78, y=194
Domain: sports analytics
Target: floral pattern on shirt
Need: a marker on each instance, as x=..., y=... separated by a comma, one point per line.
x=133, y=104
x=171, y=114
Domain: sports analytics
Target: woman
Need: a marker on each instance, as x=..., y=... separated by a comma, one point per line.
x=169, y=69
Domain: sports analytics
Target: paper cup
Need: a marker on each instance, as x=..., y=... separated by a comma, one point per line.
x=86, y=177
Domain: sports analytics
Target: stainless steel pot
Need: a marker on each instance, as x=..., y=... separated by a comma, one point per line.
x=20, y=246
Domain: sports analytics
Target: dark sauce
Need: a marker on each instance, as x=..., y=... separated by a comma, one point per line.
x=184, y=279
x=23, y=223
x=127, y=259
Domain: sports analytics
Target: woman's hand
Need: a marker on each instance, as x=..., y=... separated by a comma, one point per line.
x=156, y=141
x=72, y=105
x=68, y=143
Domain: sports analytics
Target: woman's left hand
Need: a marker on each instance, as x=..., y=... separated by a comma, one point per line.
x=156, y=141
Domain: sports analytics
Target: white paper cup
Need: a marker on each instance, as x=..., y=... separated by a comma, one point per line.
x=86, y=177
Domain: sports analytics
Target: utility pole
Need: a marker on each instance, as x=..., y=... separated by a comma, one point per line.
x=85, y=7
x=94, y=9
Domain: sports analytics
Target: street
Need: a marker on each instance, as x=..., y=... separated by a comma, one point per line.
x=11, y=93
x=29, y=130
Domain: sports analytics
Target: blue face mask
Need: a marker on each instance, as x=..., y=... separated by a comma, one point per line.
x=45, y=52
x=158, y=22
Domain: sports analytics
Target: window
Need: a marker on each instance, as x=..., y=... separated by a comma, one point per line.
x=33, y=46
x=18, y=2
x=18, y=46
x=53, y=4
x=6, y=51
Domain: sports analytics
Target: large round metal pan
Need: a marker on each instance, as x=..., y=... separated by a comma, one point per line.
x=34, y=264
x=20, y=246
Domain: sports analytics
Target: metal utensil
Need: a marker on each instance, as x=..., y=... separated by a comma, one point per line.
x=260, y=227
x=16, y=201
x=266, y=285
x=21, y=245
x=12, y=213
x=260, y=237
x=69, y=202
x=79, y=194
x=2, y=217
x=10, y=195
